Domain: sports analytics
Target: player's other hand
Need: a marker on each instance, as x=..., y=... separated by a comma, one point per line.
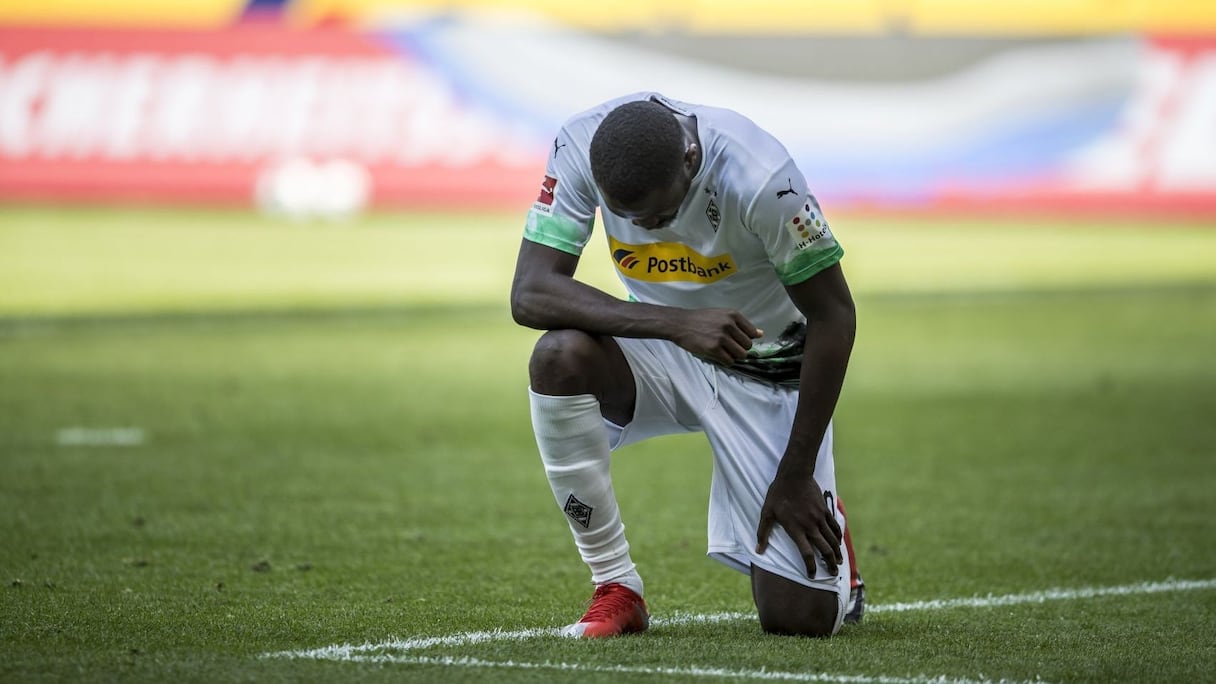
x=722, y=335
x=797, y=504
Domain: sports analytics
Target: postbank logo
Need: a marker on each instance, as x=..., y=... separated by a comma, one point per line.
x=660, y=262
x=809, y=227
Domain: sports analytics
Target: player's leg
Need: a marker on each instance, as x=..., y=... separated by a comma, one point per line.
x=788, y=600
x=577, y=381
x=572, y=362
x=748, y=429
x=857, y=586
x=788, y=607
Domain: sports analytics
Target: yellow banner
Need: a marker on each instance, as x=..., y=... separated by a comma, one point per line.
x=796, y=17
x=137, y=13
x=725, y=17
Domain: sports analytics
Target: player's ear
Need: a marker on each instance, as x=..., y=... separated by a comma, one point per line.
x=692, y=157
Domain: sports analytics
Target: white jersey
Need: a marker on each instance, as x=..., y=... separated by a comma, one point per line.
x=747, y=227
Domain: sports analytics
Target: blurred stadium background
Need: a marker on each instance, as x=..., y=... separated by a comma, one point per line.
x=1106, y=107
x=226, y=433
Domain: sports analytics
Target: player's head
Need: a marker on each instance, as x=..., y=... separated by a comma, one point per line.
x=643, y=162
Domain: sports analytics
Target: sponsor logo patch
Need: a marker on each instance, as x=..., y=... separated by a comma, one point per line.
x=669, y=261
x=808, y=227
x=544, y=201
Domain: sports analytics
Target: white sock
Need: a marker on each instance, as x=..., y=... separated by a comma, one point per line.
x=632, y=580
x=573, y=446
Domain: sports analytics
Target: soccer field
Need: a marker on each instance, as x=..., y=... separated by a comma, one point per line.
x=240, y=449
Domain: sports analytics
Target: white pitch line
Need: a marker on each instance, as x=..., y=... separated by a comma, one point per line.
x=397, y=648
x=348, y=651
x=717, y=673
x=1048, y=595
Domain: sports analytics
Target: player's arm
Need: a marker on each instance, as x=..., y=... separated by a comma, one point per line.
x=546, y=296
x=794, y=500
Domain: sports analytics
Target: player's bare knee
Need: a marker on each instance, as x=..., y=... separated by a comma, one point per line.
x=818, y=623
x=788, y=608
x=560, y=362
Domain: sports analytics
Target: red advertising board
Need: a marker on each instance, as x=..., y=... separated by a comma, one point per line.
x=197, y=116
x=260, y=110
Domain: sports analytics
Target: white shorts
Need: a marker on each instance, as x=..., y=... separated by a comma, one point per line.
x=748, y=424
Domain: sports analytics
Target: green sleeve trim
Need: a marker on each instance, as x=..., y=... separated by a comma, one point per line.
x=558, y=232
x=808, y=264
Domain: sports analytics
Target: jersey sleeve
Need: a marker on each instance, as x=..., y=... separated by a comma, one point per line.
x=787, y=219
x=563, y=214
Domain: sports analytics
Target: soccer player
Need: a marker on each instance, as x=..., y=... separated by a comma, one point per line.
x=739, y=324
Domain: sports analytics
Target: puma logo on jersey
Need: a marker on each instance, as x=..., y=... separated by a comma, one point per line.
x=783, y=193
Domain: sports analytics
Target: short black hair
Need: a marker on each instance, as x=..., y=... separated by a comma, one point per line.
x=638, y=147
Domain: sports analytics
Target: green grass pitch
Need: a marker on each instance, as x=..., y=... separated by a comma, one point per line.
x=223, y=438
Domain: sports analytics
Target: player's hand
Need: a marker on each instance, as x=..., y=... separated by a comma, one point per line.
x=722, y=335
x=797, y=504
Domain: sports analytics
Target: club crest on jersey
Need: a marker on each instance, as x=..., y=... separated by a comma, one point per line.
x=544, y=201
x=662, y=262
x=712, y=213
x=808, y=227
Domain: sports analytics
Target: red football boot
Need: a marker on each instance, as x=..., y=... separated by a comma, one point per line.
x=615, y=609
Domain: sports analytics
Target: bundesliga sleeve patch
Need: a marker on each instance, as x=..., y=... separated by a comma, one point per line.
x=808, y=227
x=544, y=201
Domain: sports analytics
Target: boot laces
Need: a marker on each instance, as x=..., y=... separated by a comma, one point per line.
x=609, y=601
